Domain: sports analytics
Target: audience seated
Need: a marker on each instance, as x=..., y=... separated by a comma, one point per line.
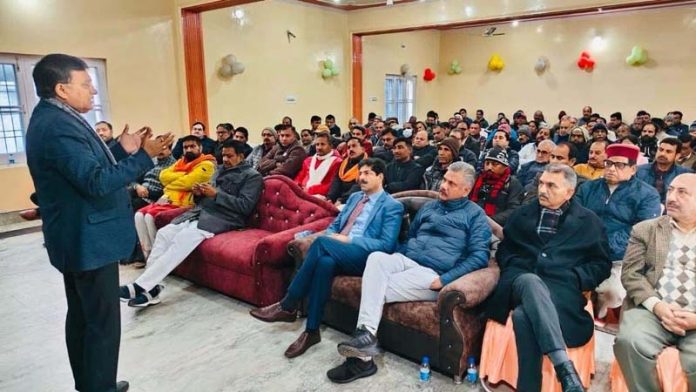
x=369, y=223
x=447, y=152
x=345, y=183
x=501, y=140
x=360, y=133
x=447, y=239
x=552, y=251
x=475, y=141
x=648, y=141
x=660, y=307
x=529, y=171
x=269, y=137
x=286, y=157
x=223, y=205
x=528, y=151
x=465, y=155
x=106, y=132
x=178, y=181
x=198, y=130
x=423, y=153
x=496, y=190
x=660, y=173
x=565, y=154
x=594, y=168
x=620, y=200
x=403, y=173
x=687, y=157
x=319, y=170
x=579, y=138
x=384, y=150
x=223, y=132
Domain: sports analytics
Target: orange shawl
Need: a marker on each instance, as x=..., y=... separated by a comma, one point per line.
x=352, y=174
x=182, y=165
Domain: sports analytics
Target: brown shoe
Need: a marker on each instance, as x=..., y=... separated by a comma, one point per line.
x=306, y=340
x=30, y=215
x=273, y=313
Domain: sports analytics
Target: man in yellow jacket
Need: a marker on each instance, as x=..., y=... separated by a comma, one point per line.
x=178, y=181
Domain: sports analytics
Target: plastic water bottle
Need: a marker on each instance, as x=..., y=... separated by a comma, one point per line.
x=425, y=369
x=472, y=372
x=11, y=159
x=303, y=234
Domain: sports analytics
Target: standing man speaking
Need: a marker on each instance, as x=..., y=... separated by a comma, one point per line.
x=87, y=218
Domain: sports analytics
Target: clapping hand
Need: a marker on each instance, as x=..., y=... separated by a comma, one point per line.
x=131, y=142
x=155, y=146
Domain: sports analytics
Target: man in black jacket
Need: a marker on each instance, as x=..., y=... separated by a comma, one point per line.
x=552, y=251
x=221, y=206
x=402, y=174
x=496, y=190
x=423, y=153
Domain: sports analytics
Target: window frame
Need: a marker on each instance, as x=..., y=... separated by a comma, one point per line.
x=403, y=103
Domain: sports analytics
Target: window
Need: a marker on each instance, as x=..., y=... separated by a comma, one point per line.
x=18, y=98
x=399, y=96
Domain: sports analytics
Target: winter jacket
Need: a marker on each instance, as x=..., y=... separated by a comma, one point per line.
x=402, y=176
x=177, y=184
x=528, y=172
x=647, y=174
x=424, y=156
x=323, y=187
x=285, y=161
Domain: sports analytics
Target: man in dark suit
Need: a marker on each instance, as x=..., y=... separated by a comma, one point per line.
x=552, y=251
x=369, y=222
x=87, y=217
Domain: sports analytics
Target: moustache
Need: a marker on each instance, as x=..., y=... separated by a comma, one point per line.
x=543, y=196
x=363, y=182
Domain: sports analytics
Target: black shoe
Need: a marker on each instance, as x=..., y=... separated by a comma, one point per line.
x=568, y=377
x=147, y=298
x=122, y=386
x=129, y=292
x=351, y=370
x=363, y=344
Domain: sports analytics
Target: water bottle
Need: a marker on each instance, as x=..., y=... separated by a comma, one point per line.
x=472, y=371
x=425, y=369
x=303, y=234
x=12, y=159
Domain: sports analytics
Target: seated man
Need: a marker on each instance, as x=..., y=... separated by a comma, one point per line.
x=178, y=181
x=664, y=169
x=423, y=153
x=620, y=200
x=528, y=153
x=284, y=158
x=476, y=140
x=345, y=183
x=197, y=130
x=369, y=223
x=529, y=171
x=447, y=239
x=658, y=274
x=552, y=251
x=465, y=155
x=384, y=151
x=594, y=168
x=501, y=140
x=447, y=153
x=223, y=132
x=564, y=153
x=403, y=173
x=221, y=206
x=106, y=132
x=496, y=190
x=319, y=170
x=150, y=189
x=269, y=136
x=360, y=133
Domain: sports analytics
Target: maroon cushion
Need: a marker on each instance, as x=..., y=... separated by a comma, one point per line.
x=233, y=250
x=284, y=205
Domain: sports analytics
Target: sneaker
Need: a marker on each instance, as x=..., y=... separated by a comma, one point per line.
x=363, y=344
x=129, y=291
x=351, y=370
x=147, y=298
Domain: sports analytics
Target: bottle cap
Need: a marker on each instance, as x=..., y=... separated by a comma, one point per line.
x=426, y=359
x=471, y=360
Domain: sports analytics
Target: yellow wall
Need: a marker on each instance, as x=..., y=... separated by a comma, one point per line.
x=135, y=37
x=276, y=68
x=384, y=54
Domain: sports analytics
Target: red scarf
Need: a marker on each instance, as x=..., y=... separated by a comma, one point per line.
x=494, y=184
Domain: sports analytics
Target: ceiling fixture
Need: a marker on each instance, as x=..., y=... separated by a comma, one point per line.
x=515, y=23
x=490, y=32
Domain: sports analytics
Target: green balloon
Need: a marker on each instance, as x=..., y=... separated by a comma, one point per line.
x=334, y=71
x=455, y=62
x=326, y=73
x=328, y=63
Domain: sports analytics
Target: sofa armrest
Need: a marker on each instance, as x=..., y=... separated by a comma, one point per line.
x=472, y=288
x=165, y=217
x=273, y=249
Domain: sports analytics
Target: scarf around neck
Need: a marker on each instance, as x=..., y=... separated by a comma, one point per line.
x=182, y=165
x=487, y=189
x=317, y=173
x=350, y=174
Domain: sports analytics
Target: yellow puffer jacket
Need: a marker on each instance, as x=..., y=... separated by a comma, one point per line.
x=178, y=183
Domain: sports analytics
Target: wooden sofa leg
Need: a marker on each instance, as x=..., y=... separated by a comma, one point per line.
x=451, y=338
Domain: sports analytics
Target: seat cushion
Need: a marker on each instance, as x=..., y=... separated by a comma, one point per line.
x=233, y=250
x=422, y=316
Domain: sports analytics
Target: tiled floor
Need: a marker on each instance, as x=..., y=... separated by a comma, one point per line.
x=196, y=340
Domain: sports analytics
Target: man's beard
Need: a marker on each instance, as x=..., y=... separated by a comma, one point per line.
x=648, y=140
x=191, y=156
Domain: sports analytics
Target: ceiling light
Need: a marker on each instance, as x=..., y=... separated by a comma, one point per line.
x=540, y=29
x=598, y=43
x=515, y=23
x=239, y=13
x=468, y=11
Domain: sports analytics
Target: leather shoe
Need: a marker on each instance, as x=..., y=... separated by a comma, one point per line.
x=30, y=215
x=568, y=377
x=273, y=313
x=122, y=386
x=306, y=340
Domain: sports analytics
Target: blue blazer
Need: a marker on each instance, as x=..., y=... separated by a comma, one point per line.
x=86, y=210
x=382, y=226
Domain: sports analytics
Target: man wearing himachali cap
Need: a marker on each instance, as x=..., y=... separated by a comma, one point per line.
x=620, y=200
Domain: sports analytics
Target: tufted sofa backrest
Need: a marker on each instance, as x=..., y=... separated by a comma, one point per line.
x=284, y=205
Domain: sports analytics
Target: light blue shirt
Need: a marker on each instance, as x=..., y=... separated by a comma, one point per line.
x=359, y=226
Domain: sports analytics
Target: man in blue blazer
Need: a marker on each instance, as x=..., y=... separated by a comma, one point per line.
x=87, y=217
x=369, y=222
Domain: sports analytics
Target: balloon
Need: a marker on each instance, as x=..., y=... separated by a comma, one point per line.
x=237, y=68
x=541, y=65
x=428, y=75
x=638, y=56
x=496, y=63
x=229, y=59
x=328, y=69
x=334, y=71
x=455, y=68
x=326, y=73
x=328, y=64
x=225, y=70
x=404, y=69
x=586, y=62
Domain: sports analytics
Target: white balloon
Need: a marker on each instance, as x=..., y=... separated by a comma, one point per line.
x=541, y=65
x=237, y=68
x=404, y=69
x=229, y=59
x=225, y=70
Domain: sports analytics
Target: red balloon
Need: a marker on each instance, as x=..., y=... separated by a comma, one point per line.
x=586, y=62
x=428, y=75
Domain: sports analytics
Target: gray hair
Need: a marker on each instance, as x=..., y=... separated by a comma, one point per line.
x=466, y=170
x=547, y=141
x=569, y=175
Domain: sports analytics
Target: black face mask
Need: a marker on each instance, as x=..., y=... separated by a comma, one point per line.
x=190, y=156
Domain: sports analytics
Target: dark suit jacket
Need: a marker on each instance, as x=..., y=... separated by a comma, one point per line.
x=85, y=207
x=575, y=260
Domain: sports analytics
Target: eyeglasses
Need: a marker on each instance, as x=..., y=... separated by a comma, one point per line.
x=542, y=152
x=619, y=165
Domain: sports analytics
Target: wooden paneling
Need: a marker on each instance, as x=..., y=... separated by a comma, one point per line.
x=195, y=67
x=357, y=77
x=214, y=5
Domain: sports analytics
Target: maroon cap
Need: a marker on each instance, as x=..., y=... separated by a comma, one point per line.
x=623, y=150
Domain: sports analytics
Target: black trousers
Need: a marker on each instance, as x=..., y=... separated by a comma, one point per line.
x=537, y=329
x=93, y=327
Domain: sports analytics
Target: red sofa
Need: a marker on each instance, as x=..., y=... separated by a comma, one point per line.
x=253, y=264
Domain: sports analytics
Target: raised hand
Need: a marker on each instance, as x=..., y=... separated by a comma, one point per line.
x=131, y=142
x=154, y=146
